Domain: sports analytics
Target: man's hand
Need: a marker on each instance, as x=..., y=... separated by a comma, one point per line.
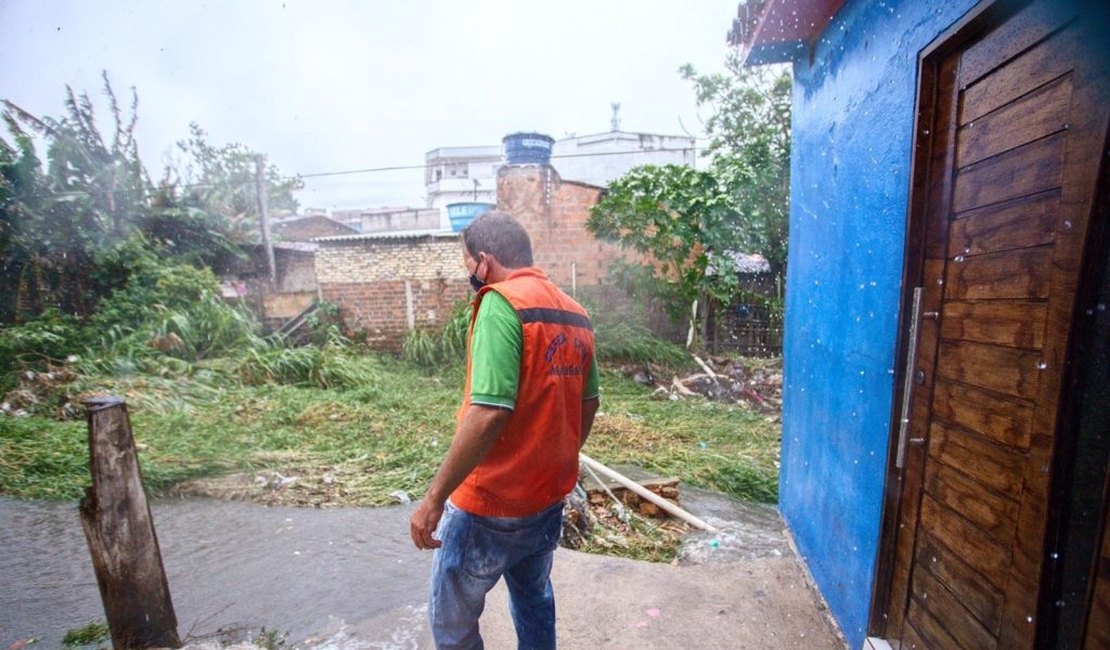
x=423, y=523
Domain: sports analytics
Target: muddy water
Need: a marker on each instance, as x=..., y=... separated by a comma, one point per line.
x=230, y=565
x=324, y=574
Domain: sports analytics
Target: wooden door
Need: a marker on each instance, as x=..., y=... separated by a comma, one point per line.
x=1012, y=125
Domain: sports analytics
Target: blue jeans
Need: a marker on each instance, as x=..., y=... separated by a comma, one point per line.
x=476, y=553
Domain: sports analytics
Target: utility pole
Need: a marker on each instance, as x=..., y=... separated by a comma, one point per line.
x=264, y=215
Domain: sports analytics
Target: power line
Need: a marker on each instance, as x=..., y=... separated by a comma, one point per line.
x=185, y=187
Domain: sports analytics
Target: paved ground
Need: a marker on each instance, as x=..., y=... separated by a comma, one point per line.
x=624, y=604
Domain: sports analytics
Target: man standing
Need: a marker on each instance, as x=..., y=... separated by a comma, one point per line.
x=529, y=403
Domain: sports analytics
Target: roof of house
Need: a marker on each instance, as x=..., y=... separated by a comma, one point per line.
x=391, y=235
x=306, y=227
x=775, y=31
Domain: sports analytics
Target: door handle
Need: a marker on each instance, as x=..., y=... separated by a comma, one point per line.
x=908, y=380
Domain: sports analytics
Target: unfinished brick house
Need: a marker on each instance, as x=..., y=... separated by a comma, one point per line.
x=388, y=284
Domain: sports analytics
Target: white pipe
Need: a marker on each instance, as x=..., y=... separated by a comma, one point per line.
x=646, y=493
x=622, y=513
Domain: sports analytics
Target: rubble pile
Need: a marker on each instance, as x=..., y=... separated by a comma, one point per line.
x=41, y=391
x=755, y=384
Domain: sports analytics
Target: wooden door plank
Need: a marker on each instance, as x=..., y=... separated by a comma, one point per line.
x=1021, y=223
x=1006, y=421
x=932, y=634
x=993, y=514
x=982, y=599
x=1019, y=275
x=1008, y=371
x=1009, y=324
x=911, y=640
x=1085, y=161
x=1029, y=169
x=999, y=467
x=1020, y=32
x=985, y=556
x=958, y=622
x=1030, y=117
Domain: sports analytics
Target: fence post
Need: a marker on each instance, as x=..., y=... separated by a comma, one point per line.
x=120, y=532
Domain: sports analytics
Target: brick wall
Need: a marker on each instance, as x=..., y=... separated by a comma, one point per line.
x=387, y=286
x=555, y=212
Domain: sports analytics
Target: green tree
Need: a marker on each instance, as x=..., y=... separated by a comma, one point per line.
x=679, y=219
x=689, y=224
x=220, y=180
x=56, y=221
x=70, y=232
x=749, y=150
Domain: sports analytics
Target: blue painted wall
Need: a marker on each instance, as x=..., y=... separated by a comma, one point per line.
x=853, y=121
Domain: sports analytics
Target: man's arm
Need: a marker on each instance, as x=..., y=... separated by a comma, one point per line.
x=589, y=410
x=473, y=440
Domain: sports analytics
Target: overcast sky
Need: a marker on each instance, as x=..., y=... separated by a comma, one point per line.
x=326, y=86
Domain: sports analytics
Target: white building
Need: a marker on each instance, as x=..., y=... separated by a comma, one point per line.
x=462, y=174
x=600, y=158
x=469, y=174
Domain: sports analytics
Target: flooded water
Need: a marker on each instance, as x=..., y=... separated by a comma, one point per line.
x=230, y=565
x=322, y=574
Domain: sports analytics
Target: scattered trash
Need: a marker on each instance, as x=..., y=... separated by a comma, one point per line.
x=755, y=384
x=401, y=496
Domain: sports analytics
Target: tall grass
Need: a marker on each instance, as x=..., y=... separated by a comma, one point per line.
x=434, y=349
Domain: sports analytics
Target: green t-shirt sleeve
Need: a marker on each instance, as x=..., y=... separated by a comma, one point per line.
x=495, y=351
x=593, y=380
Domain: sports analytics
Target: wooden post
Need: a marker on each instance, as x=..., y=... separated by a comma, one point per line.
x=120, y=531
x=264, y=216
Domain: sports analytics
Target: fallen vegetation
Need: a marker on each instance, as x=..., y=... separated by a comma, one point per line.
x=330, y=425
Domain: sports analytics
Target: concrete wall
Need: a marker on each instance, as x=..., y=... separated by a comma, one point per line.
x=852, y=129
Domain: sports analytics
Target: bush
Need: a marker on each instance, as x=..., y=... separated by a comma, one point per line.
x=330, y=366
x=38, y=344
x=448, y=346
x=174, y=310
x=631, y=343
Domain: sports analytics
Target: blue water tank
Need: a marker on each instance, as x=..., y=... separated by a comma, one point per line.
x=528, y=148
x=461, y=214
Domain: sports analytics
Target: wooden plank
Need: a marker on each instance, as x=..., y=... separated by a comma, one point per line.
x=984, y=555
x=987, y=414
x=912, y=640
x=1030, y=117
x=1009, y=324
x=1010, y=275
x=931, y=633
x=993, y=514
x=1008, y=371
x=1029, y=169
x=964, y=629
x=1021, y=223
x=1081, y=189
x=999, y=467
x=982, y=599
x=1019, y=33
x=120, y=533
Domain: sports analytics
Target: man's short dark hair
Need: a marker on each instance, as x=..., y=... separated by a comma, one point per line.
x=499, y=234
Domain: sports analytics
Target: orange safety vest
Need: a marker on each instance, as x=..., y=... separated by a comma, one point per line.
x=534, y=462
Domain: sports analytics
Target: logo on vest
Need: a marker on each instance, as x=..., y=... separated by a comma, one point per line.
x=563, y=370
